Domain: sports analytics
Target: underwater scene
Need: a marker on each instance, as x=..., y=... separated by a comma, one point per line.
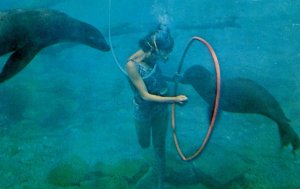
x=93, y=94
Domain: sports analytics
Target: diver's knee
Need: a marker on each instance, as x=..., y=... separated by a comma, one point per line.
x=159, y=145
x=144, y=143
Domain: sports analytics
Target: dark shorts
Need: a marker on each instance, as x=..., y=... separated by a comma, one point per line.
x=145, y=111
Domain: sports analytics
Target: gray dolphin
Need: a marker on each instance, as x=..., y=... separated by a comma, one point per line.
x=26, y=32
x=241, y=95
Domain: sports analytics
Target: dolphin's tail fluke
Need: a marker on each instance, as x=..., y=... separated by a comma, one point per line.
x=289, y=136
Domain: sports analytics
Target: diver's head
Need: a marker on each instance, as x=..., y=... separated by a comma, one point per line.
x=159, y=42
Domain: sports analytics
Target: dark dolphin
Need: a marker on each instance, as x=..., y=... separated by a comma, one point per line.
x=240, y=95
x=26, y=32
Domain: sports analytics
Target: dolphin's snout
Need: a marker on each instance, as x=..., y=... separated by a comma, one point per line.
x=105, y=47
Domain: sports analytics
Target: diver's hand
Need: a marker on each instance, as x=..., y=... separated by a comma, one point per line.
x=181, y=99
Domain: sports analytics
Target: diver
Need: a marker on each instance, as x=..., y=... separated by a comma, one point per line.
x=151, y=99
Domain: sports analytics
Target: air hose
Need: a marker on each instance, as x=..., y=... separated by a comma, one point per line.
x=110, y=42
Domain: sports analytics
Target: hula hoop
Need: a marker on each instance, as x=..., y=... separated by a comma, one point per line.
x=216, y=103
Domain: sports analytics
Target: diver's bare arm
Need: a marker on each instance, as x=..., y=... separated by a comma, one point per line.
x=139, y=84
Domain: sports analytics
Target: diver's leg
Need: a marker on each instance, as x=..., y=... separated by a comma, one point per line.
x=143, y=130
x=159, y=132
x=143, y=133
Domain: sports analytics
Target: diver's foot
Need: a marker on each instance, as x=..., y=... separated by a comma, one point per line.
x=148, y=181
x=296, y=154
x=286, y=149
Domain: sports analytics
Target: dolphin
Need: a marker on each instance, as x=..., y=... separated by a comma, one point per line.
x=241, y=95
x=24, y=33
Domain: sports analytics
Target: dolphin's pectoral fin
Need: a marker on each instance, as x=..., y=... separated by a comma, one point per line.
x=17, y=61
x=289, y=136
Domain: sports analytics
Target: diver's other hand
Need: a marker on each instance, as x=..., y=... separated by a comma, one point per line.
x=181, y=99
